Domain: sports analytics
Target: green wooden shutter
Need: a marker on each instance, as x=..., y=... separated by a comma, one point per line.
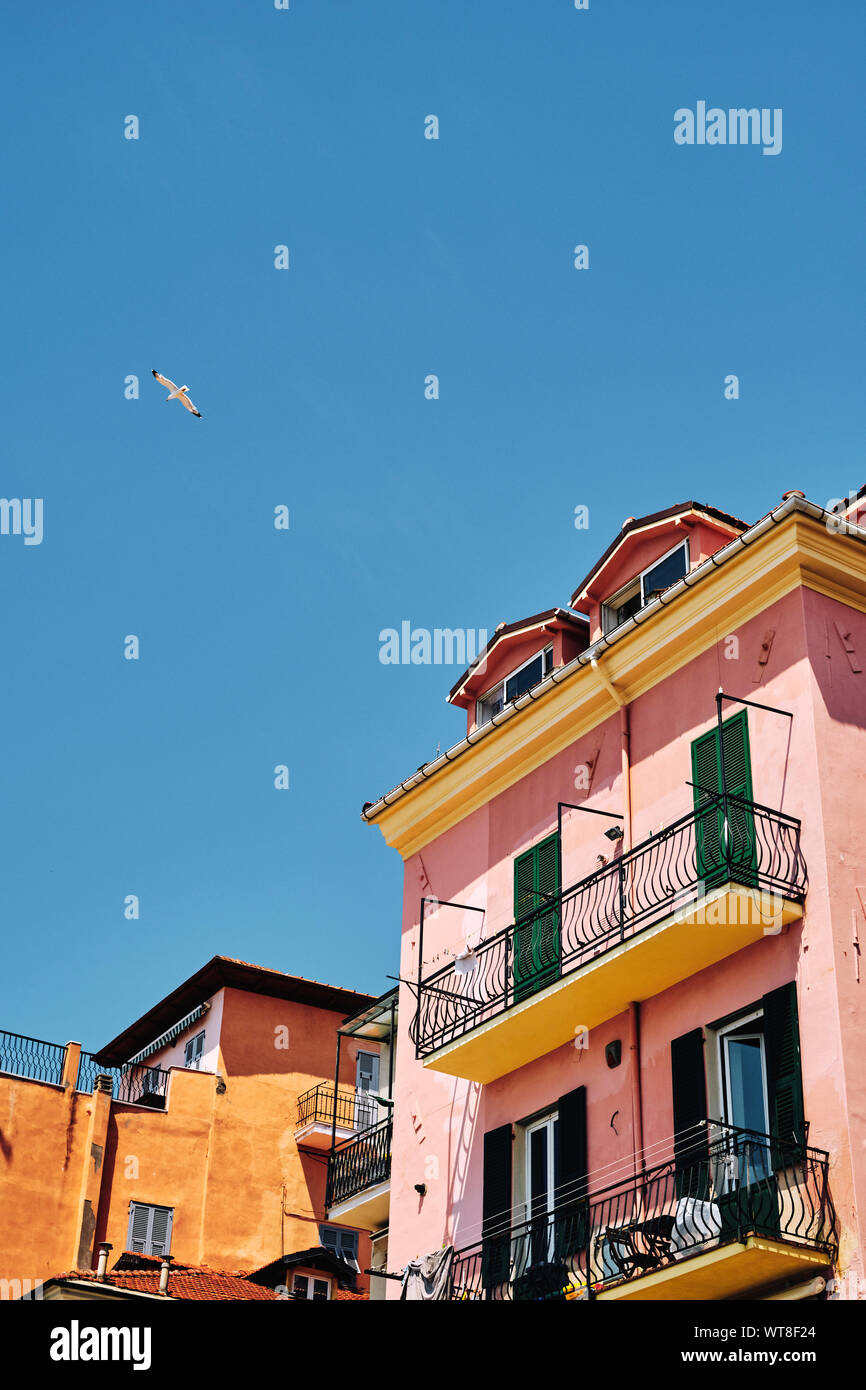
x=536, y=933
x=496, y=1207
x=691, y=1147
x=572, y=1226
x=784, y=1075
x=714, y=865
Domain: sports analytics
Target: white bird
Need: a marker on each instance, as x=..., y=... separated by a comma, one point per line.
x=178, y=393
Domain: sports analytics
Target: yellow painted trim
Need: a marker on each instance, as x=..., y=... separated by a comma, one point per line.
x=800, y=552
x=724, y=1272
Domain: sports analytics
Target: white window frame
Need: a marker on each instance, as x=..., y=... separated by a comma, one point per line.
x=190, y=1060
x=735, y=1026
x=611, y=606
x=312, y=1280
x=500, y=686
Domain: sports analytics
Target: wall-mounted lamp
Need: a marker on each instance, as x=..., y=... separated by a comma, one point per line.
x=614, y=834
x=613, y=1053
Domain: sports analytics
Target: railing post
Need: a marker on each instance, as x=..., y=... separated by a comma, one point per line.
x=621, y=885
x=71, y=1062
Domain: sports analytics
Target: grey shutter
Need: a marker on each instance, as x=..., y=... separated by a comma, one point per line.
x=139, y=1228
x=160, y=1231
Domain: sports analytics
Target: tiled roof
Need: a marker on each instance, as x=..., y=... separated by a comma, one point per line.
x=207, y=1285
x=140, y=1274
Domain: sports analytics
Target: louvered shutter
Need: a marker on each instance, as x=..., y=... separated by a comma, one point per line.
x=784, y=1075
x=572, y=1225
x=536, y=933
x=139, y=1228
x=713, y=864
x=691, y=1147
x=738, y=775
x=160, y=1231
x=496, y=1207
x=707, y=776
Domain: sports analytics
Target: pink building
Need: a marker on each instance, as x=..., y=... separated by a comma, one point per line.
x=629, y=1041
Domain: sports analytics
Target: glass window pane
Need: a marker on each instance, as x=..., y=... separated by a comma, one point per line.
x=665, y=573
x=518, y=684
x=320, y=1290
x=746, y=1083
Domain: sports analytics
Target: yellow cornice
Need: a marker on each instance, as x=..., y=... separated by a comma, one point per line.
x=799, y=552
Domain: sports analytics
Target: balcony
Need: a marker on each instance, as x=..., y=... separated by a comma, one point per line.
x=715, y=881
x=730, y=1214
x=359, y=1178
x=314, y=1122
x=136, y=1085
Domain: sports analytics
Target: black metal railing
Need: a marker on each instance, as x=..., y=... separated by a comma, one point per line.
x=31, y=1058
x=355, y=1109
x=135, y=1085
x=726, y=839
x=359, y=1163
x=723, y=1185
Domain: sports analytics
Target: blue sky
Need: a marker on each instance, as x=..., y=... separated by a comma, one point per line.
x=408, y=257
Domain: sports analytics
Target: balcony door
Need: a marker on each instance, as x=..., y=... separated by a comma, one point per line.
x=542, y=1185
x=725, y=849
x=747, y=1188
x=366, y=1087
x=537, y=952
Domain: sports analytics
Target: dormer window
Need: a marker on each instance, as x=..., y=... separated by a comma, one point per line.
x=641, y=590
x=515, y=685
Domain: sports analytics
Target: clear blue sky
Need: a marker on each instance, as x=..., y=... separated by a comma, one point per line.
x=408, y=256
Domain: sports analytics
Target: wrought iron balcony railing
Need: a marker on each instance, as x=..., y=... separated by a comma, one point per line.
x=135, y=1085
x=725, y=840
x=359, y=1163
x=31, y=1058
x=723, y=1185
x=355, y=1109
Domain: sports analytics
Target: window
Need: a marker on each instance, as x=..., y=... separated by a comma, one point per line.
x=515, y=685
x=149, y=1229
x=318, y=1290
x=366, y=1086
x=541, y=1184
x=193, y=1051
x=343, y=1243
x=644, y=587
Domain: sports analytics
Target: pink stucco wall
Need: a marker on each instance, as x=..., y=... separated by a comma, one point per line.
x=812, y=768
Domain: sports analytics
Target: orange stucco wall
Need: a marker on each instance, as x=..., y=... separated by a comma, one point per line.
x=222, y=1154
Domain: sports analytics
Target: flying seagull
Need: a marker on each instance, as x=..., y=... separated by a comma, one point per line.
x=178, y=393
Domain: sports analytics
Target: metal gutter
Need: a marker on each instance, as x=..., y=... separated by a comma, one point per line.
x=590, y=656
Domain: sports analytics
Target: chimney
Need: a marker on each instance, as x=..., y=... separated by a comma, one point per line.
x=163, y=1274
x=102, y=1262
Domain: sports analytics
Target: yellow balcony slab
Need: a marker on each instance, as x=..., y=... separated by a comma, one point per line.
x=368, y=1209
x=689, y=939
x=729, y=1271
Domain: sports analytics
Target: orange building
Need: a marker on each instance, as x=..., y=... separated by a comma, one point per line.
x=179, y=1137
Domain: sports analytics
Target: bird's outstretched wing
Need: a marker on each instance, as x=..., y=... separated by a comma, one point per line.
x=164, y=381
x=185, y=400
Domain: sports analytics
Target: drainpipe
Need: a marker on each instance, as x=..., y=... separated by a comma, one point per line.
x=163, y=1274
x=636, y=1104
x=625, y=740
x=102, y=1262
